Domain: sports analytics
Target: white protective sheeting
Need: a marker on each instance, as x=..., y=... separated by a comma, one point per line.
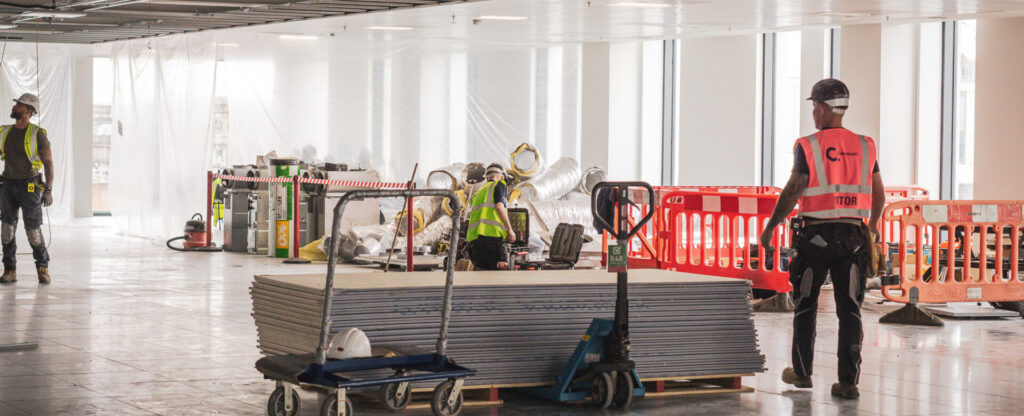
x=161, y=141
x=53, y=86
x=381, y=104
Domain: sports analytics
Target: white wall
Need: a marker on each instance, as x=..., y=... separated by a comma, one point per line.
x=718, y=111
x=861, y=71
x=998, y=145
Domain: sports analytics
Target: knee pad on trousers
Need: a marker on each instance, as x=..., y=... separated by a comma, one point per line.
x=7, y=232
x=35, y=237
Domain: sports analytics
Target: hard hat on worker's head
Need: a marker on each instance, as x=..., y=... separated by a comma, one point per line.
x=833, y=93
x=30, y=100
x=495, y=168
x=349, y=343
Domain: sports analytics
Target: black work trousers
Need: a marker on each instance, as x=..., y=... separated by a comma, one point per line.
x=487, y=252
x=841, y=250
x=24, y=195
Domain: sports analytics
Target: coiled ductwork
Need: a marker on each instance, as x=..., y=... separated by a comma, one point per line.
x=557, y=180
x=591, y=177
x=546, y=215
x=447, y=177
x=525, y=162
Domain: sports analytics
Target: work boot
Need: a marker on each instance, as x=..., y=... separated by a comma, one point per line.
x=789, y=376
x=9, y=276
x=846, y=391
x=43, y=273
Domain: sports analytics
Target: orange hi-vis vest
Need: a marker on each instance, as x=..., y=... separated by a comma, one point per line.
x=840, y=164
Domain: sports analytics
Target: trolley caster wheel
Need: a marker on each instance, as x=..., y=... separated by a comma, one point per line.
x=393, y=399
x=601, y=389
x=623, y=394
x=330, y=406
x=275, y=404
x=439, y=402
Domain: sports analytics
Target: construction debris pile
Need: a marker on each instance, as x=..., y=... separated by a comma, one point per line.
x=559, y=193
x=521, y=327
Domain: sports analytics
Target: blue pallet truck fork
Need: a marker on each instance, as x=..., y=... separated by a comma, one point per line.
x=409, y=363
x=600, y=368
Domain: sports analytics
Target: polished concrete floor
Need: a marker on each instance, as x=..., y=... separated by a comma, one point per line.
x=129, y=327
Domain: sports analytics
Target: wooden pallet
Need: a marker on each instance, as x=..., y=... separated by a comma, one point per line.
x=702, y=385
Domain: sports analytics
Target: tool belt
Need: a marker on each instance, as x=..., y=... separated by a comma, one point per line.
x=874, y=258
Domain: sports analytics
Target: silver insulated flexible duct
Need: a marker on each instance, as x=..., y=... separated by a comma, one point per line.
x=591, y=177
x=557, y=180
x=446, y=177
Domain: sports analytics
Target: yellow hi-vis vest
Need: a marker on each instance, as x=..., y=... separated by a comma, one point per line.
x=31, y=146
x=484, y=219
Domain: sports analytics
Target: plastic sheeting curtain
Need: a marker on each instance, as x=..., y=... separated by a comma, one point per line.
x=384, y=105
x=160, y=146
x=55, y=71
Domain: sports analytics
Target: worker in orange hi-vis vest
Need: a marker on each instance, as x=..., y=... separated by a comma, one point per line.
x=836, y=180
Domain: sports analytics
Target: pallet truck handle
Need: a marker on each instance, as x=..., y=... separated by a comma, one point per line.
x=622, y=188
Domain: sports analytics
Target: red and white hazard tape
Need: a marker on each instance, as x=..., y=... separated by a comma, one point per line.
x=355, y=184
x=750, y=205
x=251, y=178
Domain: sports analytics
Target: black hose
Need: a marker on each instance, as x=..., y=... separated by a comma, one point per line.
x=176, y=239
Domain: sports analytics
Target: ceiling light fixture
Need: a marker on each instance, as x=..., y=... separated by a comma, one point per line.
x=389, y=28
x=298, y=37
x=7, y=26
x=640, y=5
x=55, y=15
x=502, y=18
x=844, y=14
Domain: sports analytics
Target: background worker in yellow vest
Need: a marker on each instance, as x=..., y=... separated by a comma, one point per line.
x=489, y=224
x=25, y=150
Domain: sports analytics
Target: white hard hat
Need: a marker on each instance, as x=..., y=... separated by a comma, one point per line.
x=349, y=343
x=29, y=100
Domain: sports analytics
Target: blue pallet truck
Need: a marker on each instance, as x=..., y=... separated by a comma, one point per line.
x=600, y=368
x=409, y=363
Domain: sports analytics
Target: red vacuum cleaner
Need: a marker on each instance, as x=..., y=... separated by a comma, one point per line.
x=195, y=236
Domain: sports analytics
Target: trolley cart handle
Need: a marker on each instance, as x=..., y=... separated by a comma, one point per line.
x=623, y=187
x=332, y=259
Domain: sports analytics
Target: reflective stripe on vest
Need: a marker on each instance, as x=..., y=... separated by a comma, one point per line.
x=31, y=145
x=832, y=190
x=484, y=219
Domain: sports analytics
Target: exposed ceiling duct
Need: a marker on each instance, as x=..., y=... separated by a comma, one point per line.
x=93, y=21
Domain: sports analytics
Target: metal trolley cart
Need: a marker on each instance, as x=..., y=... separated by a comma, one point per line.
x=410, y=364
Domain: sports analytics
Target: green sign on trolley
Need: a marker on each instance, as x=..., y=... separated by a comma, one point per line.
x=617, y=260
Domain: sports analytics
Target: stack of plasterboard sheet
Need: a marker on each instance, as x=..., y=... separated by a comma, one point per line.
x=521, y=327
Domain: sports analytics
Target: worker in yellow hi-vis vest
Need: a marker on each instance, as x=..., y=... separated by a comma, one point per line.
x=488, y=222
x=25, y=150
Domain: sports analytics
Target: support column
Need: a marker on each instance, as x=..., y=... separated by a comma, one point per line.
x=81, y=138
x=997, y=144
x=594, y=129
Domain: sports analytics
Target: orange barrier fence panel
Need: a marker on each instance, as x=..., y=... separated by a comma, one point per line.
x=974, y=252
x=904, y=193
x=716, y=234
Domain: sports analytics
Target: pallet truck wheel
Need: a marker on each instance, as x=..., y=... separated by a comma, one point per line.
x=601, y=390
x=330, y=406
x=389, y=396
x=623, y=395
x=275, y=404
x=439, y=401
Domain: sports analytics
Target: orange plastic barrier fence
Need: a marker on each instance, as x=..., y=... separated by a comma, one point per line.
x=893, y=194
x=976, y=255
x=712, y=233
x=904, y=193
